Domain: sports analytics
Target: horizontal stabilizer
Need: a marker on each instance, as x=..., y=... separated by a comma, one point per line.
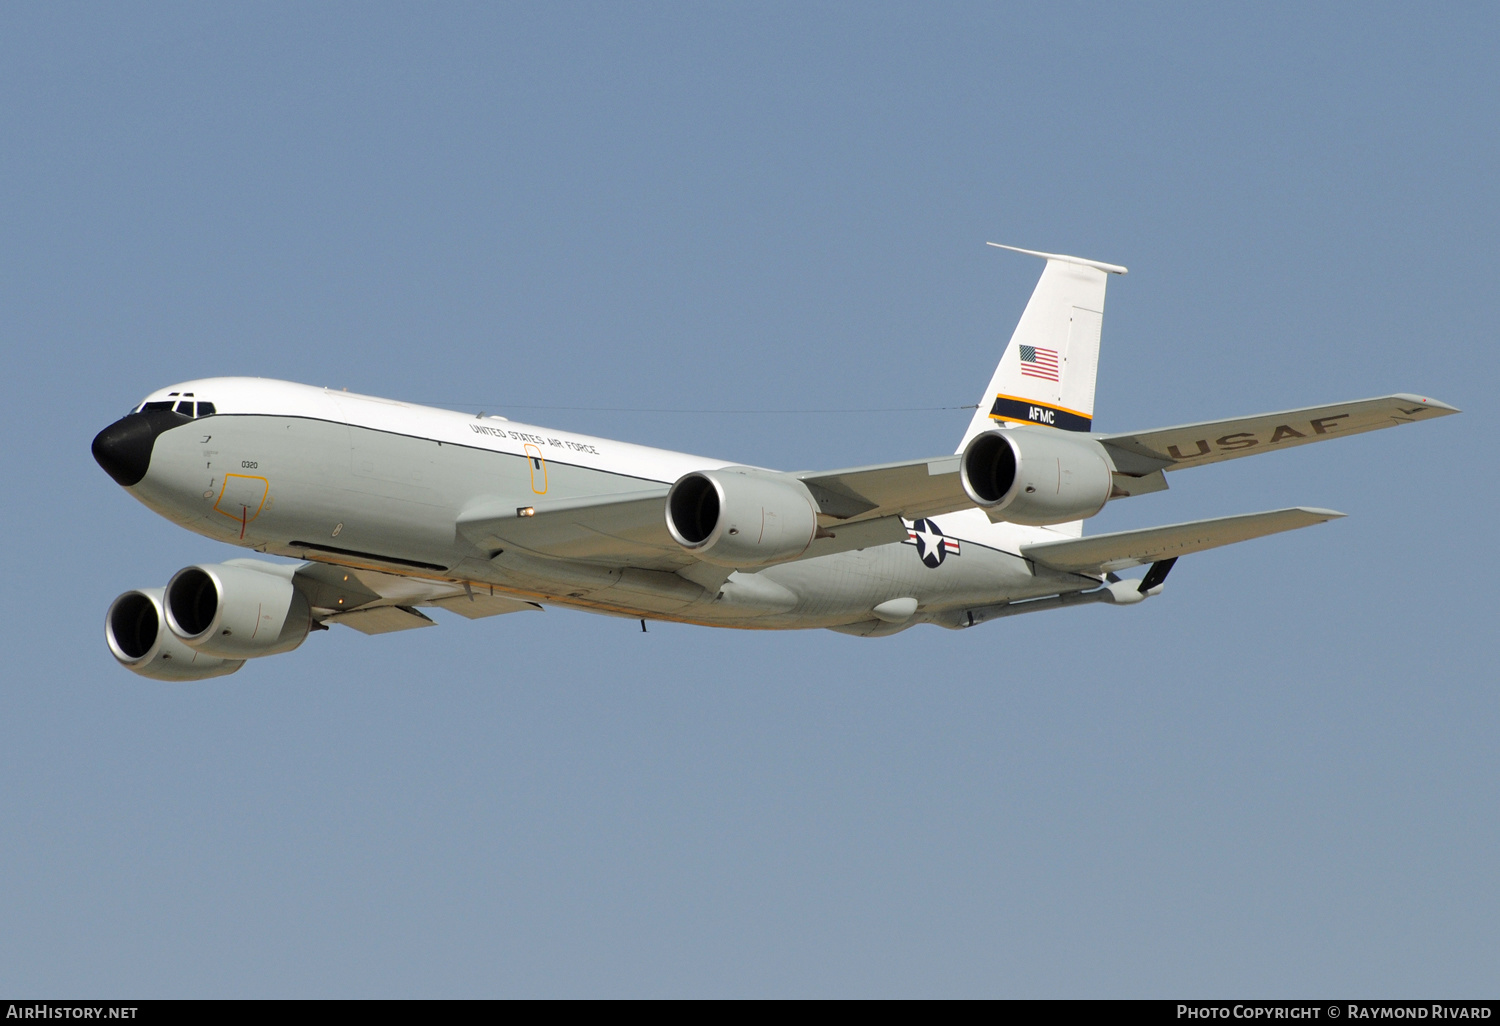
x=1102, y=553
x=1189, y=445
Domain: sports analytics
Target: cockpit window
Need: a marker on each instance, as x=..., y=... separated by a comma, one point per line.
x=183, y=407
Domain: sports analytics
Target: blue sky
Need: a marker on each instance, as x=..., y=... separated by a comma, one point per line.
x=1277, y=779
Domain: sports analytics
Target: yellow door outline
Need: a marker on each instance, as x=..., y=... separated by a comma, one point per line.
x=538, y=467
x=241, y=511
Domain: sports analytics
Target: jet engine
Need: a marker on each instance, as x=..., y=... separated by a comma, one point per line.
x=136, y=630
x=742, y=517
x=1036, y=476
x=237, y=610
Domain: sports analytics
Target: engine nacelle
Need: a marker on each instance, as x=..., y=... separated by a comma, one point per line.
x=742, y=517
x=237, y=611
x=136, y=630
x=1036, y=475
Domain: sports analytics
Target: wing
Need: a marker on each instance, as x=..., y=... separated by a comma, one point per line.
x=376, y=603
x=619, y=529
x=1142, y=453
x=1102, y=553
x=862, y=506
x=912, y=489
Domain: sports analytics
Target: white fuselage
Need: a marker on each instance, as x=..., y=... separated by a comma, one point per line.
x=376, y=484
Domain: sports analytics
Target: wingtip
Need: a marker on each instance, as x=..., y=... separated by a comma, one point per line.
x=1323, y=514
x=1442, y=409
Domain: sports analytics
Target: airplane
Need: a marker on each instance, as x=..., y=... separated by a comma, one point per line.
x=392, y=508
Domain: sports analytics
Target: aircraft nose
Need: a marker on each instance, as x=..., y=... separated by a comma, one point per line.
x=124, y=448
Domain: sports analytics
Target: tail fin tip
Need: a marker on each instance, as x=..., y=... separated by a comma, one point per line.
x=1097, y=264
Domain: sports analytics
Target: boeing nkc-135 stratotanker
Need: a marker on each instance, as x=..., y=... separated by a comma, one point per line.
x=396, y=508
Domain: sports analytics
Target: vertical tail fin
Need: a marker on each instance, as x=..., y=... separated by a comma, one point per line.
x=1046, y=374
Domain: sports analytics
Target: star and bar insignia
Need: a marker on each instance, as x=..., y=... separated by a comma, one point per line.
x=932, y=545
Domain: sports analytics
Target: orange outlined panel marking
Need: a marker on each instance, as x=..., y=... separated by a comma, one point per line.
x=538, y=469
x=242, y=497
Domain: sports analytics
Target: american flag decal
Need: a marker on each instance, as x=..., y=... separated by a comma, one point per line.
x=1037, y=362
